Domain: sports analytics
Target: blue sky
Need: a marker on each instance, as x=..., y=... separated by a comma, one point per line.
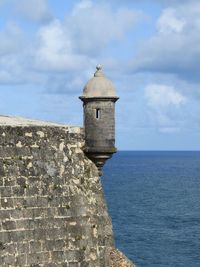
x=149, y=49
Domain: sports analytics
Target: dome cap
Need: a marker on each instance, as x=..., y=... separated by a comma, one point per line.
x=99, y=86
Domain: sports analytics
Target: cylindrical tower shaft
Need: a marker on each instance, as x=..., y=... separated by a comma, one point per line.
x=99, y=124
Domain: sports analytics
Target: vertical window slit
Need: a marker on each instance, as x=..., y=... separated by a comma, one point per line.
x=98, y=113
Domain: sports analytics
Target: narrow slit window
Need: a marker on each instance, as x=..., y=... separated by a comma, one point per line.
x=98, y=113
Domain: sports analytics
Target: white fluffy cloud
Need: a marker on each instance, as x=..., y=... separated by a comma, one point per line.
x=54, y=50
x=71, y=46
x=175, y=46
x=11, y=54
x=81, y=38
x=169, y=22
x=94, y=26
x=164, y=106
x=163, y=96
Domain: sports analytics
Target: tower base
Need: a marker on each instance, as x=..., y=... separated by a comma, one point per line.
x=99, y=157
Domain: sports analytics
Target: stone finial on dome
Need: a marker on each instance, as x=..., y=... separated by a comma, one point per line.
x=99, y=72
x=99, y=86
x=99, y=67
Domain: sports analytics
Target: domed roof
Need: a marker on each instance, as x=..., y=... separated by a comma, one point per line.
x=99, y=86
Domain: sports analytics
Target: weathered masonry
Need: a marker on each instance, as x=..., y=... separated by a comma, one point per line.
x=52, y=208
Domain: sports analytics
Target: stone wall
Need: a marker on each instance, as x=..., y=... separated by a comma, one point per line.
x=52, y=208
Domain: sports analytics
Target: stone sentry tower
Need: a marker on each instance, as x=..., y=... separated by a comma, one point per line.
x=99, y=97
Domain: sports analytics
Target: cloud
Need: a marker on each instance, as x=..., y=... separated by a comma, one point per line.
x=163, y=96
x=165, y=3
x=11, y=39
x=54, y=50
x=71, y=47
x=97, y=25
x=164, y=105
x=75, y=45
x=12, y=44
x=175, y=46
x=169, y=22
x=174, y=2
x=16, y=57
x=36, y=10
x=83, y=35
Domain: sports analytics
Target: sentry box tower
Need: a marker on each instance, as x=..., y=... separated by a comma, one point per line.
x=99, y=97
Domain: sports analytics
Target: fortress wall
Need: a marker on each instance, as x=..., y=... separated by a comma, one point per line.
x=52, y=208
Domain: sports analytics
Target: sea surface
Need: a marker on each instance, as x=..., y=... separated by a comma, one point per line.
x=154, y=201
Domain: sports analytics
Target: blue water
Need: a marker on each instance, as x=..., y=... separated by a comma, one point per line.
x=154, y=201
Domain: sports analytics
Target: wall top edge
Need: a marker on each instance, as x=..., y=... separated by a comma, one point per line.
x=25, y=122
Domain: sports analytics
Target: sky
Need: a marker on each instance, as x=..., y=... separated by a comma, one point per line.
x=149, y=49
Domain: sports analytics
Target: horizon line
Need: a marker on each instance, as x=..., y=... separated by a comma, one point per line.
x=156, y=150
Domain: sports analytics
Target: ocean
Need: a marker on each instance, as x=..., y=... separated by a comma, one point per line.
x=154, y=202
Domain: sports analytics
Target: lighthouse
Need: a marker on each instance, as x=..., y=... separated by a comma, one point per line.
x=99, y=97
